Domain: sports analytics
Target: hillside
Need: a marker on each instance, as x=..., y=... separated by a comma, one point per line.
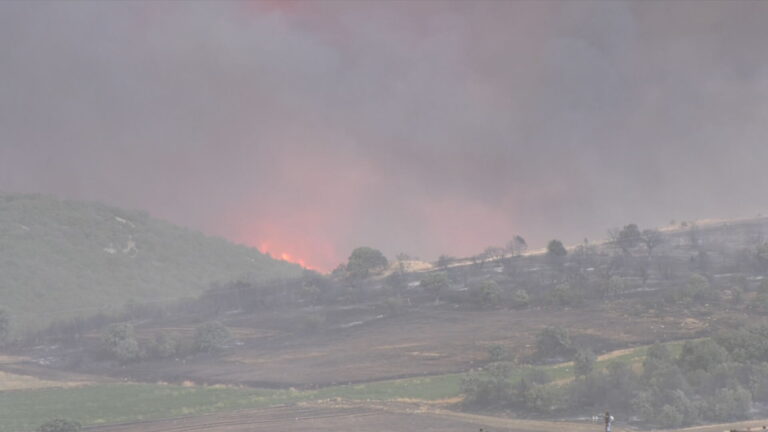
x=60, y=259
x=501, y=336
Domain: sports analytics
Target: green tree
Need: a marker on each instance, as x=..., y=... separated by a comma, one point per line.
x=365, y=260
x=490, y=386
x=496, y=352
x=651, y=238
x=487, y=293
x=396, y=282
x=520, y=299
x=702, y=354
x=556, y=249
x=435, y=284
x=553, y=342
x=211, y=336
x=120, y=341
x=584, y=362
x=443, y=261
x=517, y=245
x=729, y=404
x=628, y=238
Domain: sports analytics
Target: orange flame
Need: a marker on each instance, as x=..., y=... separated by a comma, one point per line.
x=266, y=248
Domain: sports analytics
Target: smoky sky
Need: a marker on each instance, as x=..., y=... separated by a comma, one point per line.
x=425, y=127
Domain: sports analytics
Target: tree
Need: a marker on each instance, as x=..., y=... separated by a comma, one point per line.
x=517, y=245
x=487, y=293
x=651, y=238
x=496, y=352
x=556, y=249
x=120, y=340
x=701, y=354
x=583, y=362
x=60, y=425
x=443, y=261
x=520, y=299
x=553, y=342
x=494, y=253
x=626, y=239
x=435, y=284
x=364, y=260
x=211, y=336
x=397, y=282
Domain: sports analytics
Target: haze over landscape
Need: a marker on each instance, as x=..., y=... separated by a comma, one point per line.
x=309, y=128
x=383, y=216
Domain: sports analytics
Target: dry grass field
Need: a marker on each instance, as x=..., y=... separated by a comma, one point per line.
x=423, y=342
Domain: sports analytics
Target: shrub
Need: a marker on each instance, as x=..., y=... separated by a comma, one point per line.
x=120, y=341
x=553, y=342
x=211, y=336
x=496, y=352
x=584, y=362
x=490, y=386
x=487, y=294
x=163, y=345
x=520, y=299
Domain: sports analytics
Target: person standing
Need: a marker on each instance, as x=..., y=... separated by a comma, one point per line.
x=608, y=421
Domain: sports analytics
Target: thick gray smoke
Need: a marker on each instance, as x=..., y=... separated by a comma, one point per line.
x=310, y=128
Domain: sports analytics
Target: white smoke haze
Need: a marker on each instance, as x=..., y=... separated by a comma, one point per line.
x=310, y=128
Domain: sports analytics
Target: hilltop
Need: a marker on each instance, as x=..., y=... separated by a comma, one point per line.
x=60, y=259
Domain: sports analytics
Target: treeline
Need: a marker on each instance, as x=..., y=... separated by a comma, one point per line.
x=722, y=378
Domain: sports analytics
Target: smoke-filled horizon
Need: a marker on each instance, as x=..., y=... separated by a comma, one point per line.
x=309, y=128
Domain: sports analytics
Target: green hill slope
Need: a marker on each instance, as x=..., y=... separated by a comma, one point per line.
x=60, y=259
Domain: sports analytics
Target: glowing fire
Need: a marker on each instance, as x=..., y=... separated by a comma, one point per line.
x=267, y=248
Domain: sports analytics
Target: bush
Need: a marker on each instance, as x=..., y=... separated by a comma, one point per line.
x=729, y=404
x=553, y=342
x=496, y=352
x=120, y=341
x=702, y=354
x=211, y=336
x=670, y=417
x=163, y=345
x=490, y=386
x=487, y=294
x=584, y=362
x=60, y=425
x=520, y=299
x=394, y=305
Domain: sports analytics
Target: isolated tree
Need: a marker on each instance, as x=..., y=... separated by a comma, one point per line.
x=396, y=282
x=443, y=261
x=553, y=342
x=120, y=341
x=402, y=261
x=651, y=238
x=365, y=260
x=583, y=362
x=626, y=239
x=556, y=249
x=494, y=253
x=487, y=293
x=435, y=284
x=517, y=245
x=211, y=336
